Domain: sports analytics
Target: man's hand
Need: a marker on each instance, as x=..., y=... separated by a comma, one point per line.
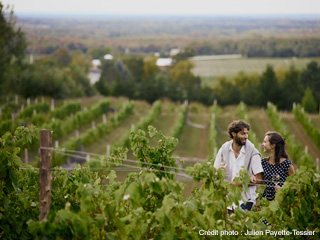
x=253, y=179
x=236, y=183
x=257, y=178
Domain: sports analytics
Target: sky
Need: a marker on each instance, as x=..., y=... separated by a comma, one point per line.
x=179, y=7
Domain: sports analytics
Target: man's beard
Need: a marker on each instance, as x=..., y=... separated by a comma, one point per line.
x=238, y=141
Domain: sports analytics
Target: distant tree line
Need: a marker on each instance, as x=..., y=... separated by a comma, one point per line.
x=254, y=47
x=139, y=78
x=266, y=47
x=282, y=88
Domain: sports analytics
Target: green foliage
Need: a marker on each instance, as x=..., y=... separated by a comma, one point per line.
x=135, y=66
x=18, y=188
x=177, y=129
x=29, y=111
x=308, y=102
x=296, y=205
x=156, y=158
x=291, y=89
x=213, y=133
x=65, y=110
x=184, y=54
x=78, y=120
x=92, y=135
x=311, y=130
x=62, y=57
x=310, y=78
x=144, y=122
x=150, y=69
x=226, y=92
x=149, y=204
x=181, y=73
x=295, y=150
x=12, y=45
x=268, y=87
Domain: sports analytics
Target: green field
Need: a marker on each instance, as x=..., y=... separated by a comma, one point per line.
x=209, y=70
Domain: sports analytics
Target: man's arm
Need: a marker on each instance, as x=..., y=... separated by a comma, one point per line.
x=258, y=178
x=217, y=162
x=257, y=170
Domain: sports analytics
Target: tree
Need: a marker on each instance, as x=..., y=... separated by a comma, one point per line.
x=247, y=85
x=62, y=57
x=185, y=54
x=310, y=78
x=109, y=73
x=268, y=89
x=150, y=68
x=12, y=44
x=98, y=53
x=291, y=89
x=181, y=73
x=226, y=92
x=308, y=101
x=135, y=65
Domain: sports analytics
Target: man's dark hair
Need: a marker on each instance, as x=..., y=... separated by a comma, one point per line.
x=236, y=126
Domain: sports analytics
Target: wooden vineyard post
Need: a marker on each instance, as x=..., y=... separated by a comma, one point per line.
x=45, y=174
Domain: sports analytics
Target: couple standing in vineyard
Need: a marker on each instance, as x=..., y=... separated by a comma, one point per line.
x=240, y=153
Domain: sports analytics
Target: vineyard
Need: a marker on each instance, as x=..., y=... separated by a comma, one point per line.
x=210, y=69
x=116, y=177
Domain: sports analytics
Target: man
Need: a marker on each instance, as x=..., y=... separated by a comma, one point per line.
x=240, y=152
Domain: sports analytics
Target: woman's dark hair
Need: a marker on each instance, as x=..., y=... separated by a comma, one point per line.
x=236, y=126
x=280, y=149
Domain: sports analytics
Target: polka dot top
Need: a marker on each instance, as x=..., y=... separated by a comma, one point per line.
x=269, y=170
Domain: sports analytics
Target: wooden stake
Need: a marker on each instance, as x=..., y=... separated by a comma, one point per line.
x=45, y=174
x=104, y=118
x=108, y=150
x=52, y=104
x=26, y=159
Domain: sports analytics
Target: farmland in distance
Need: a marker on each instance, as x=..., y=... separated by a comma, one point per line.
x=208, y=70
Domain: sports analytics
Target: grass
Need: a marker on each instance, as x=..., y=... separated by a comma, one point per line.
x=193, y=142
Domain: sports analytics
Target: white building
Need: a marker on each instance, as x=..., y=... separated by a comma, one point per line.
x=164, y=62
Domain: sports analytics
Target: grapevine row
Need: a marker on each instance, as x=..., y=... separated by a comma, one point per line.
x=213, y=133
x=147, y=205
x=124, y=141
x=311, y=130
x=92, y=135
x=80, y=119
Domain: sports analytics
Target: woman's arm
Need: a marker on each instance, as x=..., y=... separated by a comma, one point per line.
x=291, y=170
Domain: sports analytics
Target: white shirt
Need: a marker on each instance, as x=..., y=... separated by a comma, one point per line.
x=235, y=166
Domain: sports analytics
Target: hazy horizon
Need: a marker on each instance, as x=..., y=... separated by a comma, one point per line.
x=165, y=7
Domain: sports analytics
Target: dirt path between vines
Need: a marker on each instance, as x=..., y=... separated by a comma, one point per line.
x=203, y=141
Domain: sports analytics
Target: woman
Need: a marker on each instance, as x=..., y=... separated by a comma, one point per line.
x=277, y=167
